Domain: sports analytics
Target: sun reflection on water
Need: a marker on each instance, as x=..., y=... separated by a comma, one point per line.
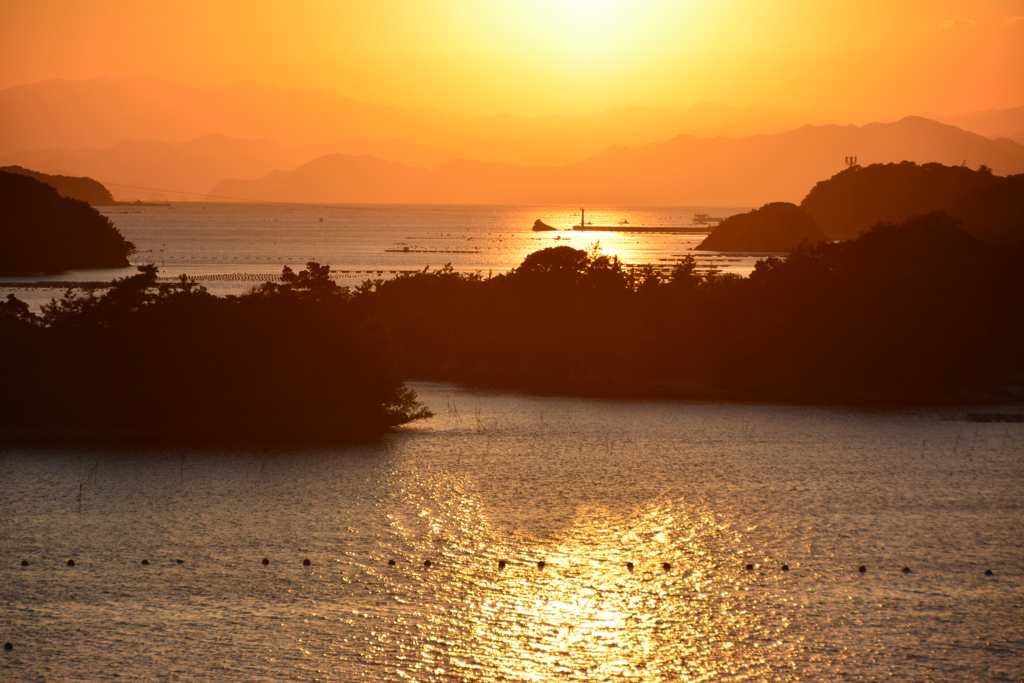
x=585, y=613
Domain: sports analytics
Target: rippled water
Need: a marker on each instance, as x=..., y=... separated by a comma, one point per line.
x=230, y=240
x=585, y=487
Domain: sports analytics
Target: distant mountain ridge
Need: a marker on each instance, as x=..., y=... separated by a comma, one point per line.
x=992, y=123
x=99, y=113
x=134, y=169
x=685, y=170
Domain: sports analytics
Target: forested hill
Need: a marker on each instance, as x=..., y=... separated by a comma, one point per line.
x=41, y=231
x=988, y=206
x=86, y=189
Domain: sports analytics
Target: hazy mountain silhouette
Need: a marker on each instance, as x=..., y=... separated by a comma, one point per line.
x=685, y=170
x=992, y=123
x=198, y=165
x=99, y=113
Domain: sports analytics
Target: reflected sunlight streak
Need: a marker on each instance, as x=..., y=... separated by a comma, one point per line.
x=583, y=616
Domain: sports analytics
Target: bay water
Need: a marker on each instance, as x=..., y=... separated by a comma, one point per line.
x=645, y=515
x=663, y=528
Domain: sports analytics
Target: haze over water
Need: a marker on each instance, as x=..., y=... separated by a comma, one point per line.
x=585, y=486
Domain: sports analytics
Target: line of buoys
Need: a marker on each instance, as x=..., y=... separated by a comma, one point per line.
x=541, y=564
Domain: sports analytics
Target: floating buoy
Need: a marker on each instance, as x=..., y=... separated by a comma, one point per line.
x=862, y=569
x=265, y=562
x=988, y=572
x=666, y=566
x=145, y=562
x=391, y=563
x=906, y=570
x=71, y=563
x=427, y=563
x=750, y=567
x=541, y=564
x=629, y=566
x=785, y=567
x=8, y=646
x=501, y=564
x=180, y=561
x=306, y=563
x=24, y=563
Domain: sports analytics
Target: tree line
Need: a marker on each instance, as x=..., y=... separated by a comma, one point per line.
x=912, y=313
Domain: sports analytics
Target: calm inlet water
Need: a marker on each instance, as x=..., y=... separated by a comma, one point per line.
x=231, y=247
x=584, y=486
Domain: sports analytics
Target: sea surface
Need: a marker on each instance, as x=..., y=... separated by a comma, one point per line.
x=230, y=248
x=584, y=486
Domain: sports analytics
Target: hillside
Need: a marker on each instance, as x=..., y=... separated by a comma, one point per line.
x=989, y=206
x=686, y=170
x=775, y=227
x=84, y=189
x=45, y=232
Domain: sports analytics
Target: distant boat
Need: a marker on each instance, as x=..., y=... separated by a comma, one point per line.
x=621, y=227
x=705, y=219
x=403, y=248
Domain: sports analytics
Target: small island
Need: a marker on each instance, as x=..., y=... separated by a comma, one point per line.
x=540, y=226
x=43, y=232
x=774, y=228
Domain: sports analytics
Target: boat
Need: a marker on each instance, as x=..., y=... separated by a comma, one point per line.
x=705, y=219
x=403, y=248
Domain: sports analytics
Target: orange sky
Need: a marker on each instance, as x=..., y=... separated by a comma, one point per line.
x=535, y=57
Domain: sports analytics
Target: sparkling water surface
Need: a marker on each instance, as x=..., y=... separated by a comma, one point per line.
x=232, y=247
x=583, y=486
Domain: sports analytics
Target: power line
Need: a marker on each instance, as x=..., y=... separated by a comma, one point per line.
x=214, y=196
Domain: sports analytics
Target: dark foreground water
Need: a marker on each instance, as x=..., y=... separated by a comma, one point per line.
x=585, y=487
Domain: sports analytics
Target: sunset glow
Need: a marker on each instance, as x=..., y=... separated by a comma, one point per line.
x=544, y=57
